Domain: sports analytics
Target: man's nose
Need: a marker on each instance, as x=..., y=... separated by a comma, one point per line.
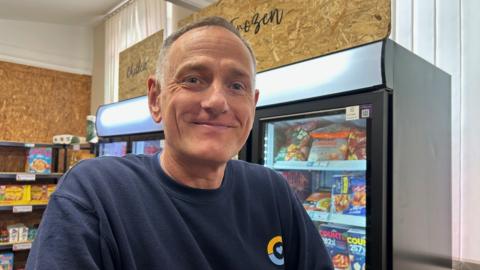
x=215, y=100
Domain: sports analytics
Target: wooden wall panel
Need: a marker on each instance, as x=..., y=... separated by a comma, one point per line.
x=283, y=32
x=13, y=159
x=37, y=103
x=136, y=64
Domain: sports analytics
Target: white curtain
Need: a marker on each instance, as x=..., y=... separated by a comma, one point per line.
x=446, y=33
x=132, y=23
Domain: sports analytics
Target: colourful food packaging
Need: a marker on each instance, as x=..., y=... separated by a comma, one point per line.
x=3, y=235
x=329, y=143
x=14, y=194
x=22, y=234
x=299, y=183
x=358, y=196
x=357, y=145
x=296, y=141
x=335, y=240
x=39, y=160
x=13, y=233
x=340, y=192
x=39, y=193
x=357, y=248
x=6, y=261
x=318, y=201
x=50, y=189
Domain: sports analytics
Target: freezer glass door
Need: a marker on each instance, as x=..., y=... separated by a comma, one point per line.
x=323, y=157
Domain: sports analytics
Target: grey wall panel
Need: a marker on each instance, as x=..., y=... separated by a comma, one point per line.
x=421, y=163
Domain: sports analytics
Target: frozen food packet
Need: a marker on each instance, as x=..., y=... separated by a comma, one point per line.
x=357, y=243
x=358, y=196
x=335, y=240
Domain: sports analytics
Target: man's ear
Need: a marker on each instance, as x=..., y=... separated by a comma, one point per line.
x=154, y=98
x=257, y=94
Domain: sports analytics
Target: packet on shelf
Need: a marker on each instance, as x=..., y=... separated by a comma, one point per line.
x=335, y=239
x=295, y=145
x=39, y=160
x=357, y=145
x=6, y=261
x=299, y=183
x=358, y=196
x=357, y=248
x=14, y=194
x=329, y=143
x=318, y=201
x=40, y=194
x=340, y=191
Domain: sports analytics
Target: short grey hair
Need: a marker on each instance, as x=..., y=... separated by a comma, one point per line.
x=208, y=21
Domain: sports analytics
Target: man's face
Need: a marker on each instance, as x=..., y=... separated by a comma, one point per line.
x=207, y=102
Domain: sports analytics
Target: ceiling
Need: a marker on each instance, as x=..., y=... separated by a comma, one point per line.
x=71, y=12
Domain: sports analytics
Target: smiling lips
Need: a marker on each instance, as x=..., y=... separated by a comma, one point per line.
x=213, y=124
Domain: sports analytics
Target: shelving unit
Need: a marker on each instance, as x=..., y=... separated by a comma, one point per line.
x=350, y=220
x=15, y=246
x=29, y=177
x=27, y=212
x=18, y=208
x=328, y=165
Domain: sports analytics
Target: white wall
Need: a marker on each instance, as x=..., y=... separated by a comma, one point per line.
x=178, y=13
x=445, y=33
x=470, y=163
x=53, y=46
x=98, y=72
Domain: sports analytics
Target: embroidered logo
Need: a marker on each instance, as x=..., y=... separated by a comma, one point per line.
x=275, y=250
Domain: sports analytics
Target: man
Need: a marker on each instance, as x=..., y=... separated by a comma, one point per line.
x=190, y=207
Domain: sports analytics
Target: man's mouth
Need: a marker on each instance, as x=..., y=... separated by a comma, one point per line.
x=214, y=124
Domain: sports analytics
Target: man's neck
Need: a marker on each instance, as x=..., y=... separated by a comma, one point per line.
x=202, y=175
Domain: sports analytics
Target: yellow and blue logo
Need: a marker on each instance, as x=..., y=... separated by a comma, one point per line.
x=275, y=250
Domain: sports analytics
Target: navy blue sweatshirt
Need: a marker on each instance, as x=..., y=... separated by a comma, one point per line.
x=126, y=213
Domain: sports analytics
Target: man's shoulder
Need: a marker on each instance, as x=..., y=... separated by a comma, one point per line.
x=103, y=172
x=108, y=164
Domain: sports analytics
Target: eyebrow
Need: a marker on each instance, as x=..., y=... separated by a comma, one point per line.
x=191, y=66
x=237, y=72
x=200, y=67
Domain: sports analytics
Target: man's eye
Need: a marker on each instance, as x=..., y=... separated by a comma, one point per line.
x=237, y=86
x=192, y=80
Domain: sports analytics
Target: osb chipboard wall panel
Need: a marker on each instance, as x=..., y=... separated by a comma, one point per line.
x=136, y=64
x=13, y=159
x=37, y=103
x=283, y=32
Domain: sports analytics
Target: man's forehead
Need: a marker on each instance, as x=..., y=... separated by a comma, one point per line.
x=204, y=31
x=194, y=38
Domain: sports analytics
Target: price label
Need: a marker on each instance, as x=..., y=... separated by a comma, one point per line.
x=30, y=145
x=25, y=177
x=323, y=164
x=22, y=208
x=318, y=216
x=352, y=113
x=21, y=246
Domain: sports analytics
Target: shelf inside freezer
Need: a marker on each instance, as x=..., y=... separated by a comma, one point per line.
x=330, y=165
x=358, y=221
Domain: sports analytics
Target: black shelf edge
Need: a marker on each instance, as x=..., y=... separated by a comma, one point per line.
x=34, y=207
x=9, y=247
x=28, y=145
x=37, y=175
x=11, y=177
